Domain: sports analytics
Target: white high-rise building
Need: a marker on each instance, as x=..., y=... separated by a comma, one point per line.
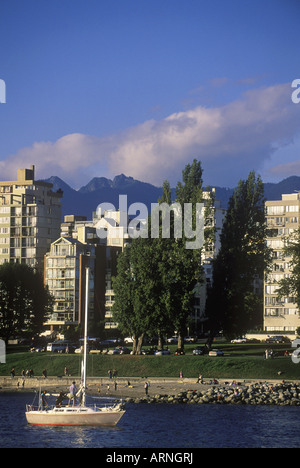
x=30, y=217
x=283, y=217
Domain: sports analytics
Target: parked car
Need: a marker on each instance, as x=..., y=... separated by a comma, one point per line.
x=189, y=339
x=296, y=343
x=179, y=352
x=57, y=346
x=124, y=350
x=38, y=349
x=114, y=351
x=216, y=352
x=199, y=351
x=275, y=339
x=128, y=340
x=110, y=342
x=162, y=352
x=172, y=340
x=239, y=340
x=148, y=351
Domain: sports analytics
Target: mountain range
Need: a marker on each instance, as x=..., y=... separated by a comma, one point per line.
x=100, y=189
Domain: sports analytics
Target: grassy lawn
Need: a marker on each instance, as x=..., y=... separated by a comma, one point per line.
x=245, y=361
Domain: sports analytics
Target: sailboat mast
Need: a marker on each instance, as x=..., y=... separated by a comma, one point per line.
x=85, y=334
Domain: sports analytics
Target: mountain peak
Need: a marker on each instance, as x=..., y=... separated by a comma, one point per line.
x=58, y=183
x=121, y=180
x=96, y=183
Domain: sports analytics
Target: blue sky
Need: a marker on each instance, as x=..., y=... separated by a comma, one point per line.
x=99, y=88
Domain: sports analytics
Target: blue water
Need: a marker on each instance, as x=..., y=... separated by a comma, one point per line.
x=158, y=426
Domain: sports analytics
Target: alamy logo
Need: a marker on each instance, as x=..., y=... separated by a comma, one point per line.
x=2, y=352
x=296, y=94
x=160, y=221
x=296, y=356
x=2, y=92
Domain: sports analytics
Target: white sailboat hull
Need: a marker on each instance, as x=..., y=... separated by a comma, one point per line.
x=78, y=416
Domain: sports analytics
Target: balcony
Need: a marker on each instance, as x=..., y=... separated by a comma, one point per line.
x=110, y=325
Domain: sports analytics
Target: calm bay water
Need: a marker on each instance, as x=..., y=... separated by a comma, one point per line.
x=158, y=426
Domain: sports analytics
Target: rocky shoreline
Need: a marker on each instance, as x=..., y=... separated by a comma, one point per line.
x=255, y=394
x=171, y=391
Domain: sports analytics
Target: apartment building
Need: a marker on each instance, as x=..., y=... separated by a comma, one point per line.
x=30, y=217
x=106, y=251
x=214, y=218
x=65, y=276
x=283, y=217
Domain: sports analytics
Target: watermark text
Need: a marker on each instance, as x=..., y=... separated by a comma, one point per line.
x=187, y=221
x=2, y=92
x=2, y=352
x=296, y=94
x=296, y=356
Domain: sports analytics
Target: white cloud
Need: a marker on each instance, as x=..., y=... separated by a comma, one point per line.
x=230, y=141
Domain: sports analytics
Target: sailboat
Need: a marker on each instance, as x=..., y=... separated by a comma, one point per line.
x=81, y=415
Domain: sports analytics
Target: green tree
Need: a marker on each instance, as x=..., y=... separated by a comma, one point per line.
x=138, y=292
x=24, y=301
x=186, y=262
x=233, y=304
x=154, y=287
x=179, y=267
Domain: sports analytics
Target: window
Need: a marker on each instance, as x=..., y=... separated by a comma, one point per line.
x=272, y=300
x=273, y=312
x=289, y=300
x=273, y=210
x=275, y=243
x=290, y=311
x=291, y=208
x=271, y=289
x=277, y=277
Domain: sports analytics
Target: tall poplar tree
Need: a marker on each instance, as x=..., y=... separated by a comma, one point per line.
x=186, y=264
x=233, y=304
